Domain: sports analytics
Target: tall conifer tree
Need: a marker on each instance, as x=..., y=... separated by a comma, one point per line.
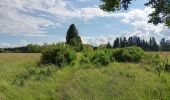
x=73, y=37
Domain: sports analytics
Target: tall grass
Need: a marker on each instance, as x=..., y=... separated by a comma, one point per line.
x=22, y=79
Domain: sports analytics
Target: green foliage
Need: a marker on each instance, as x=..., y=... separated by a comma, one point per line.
x=73, y=37
x=116, y=43
x=59, y=55
x=86, y=58
x=167, y=67
x=1, y=50
x=102, y=47
x=102, y=57
x=87, y=48
x=136, y=41
x=113, y=5
x=153, y=46
x=159, y=15
x=161, y=12
x=34, y=48
x=109, y=46
x=153, y=63
x=87, y=54
x=118, y=81
x=164, y=45
x=128, y=54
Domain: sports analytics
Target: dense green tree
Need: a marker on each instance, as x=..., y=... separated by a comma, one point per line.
x=124, y=42
x=137, y=41
x=1, y=50
x=109, y=45
x=161, y=13
x=164, y=45
x=130, y=41
x=121, y=43
x=153, y=45
x=33, y=48
x=116, y=43
x=73, y=37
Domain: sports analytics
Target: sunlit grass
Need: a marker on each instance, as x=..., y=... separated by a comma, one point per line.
x=22, y=79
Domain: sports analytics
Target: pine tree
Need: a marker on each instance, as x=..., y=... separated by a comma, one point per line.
x=116, y=43
x=162, y=44
x=73, y=37
x=153, y=45
x=130, y=42
x=124, y=42
x=120, y=43
x=109, y=45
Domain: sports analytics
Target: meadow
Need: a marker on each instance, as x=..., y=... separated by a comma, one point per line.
x=22, y=79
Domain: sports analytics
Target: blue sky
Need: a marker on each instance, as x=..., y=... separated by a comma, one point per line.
x=46, y=21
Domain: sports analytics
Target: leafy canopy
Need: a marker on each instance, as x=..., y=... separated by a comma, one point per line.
x=161, y=13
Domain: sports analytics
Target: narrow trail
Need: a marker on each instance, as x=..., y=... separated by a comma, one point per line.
x=69, y=79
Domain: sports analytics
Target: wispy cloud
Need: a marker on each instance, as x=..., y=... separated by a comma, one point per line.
x=138, y=18
x=33, y=17
x=24, y=17
x=7, y=45
x=96, y=41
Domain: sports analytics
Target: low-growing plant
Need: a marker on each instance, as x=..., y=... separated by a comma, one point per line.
x=128, y=54
x=167, y=67
x=102, y=57
x=87, y=54
x=87, y=48
x=153, y=63
x=1, y=50
x=59, y=55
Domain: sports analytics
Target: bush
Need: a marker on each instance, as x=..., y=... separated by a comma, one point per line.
x=86, y=57
x=153, y=63
x=102, y=57
x=31, y=48
x=87, y=48
x=1, y=50
x=58, y=55
x=167, y=67
x=128, y=54
x=87, y=54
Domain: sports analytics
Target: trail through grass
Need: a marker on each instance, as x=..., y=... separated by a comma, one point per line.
x=22, y=79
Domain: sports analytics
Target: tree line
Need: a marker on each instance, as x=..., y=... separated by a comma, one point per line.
x=150, y=45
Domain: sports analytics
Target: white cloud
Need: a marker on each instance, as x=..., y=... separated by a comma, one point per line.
x=19, y=44
x=83, y=0
x=31, y=17
x=14, y=22
x=138, y=18
x=28, y=16
x=96, y=41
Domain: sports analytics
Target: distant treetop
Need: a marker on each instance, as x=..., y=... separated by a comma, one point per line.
x=73, y=37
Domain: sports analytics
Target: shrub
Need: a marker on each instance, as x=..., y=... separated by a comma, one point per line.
x=153, y=63
x=167, y=67
x=31, y=48
x=87, y=54
x=1, y=50
x=128, y=54
x=102, y=57
x=87, y=48
x=58, y=55
x=85, y=60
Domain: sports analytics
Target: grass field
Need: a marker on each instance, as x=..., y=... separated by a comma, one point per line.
x=22, y=79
